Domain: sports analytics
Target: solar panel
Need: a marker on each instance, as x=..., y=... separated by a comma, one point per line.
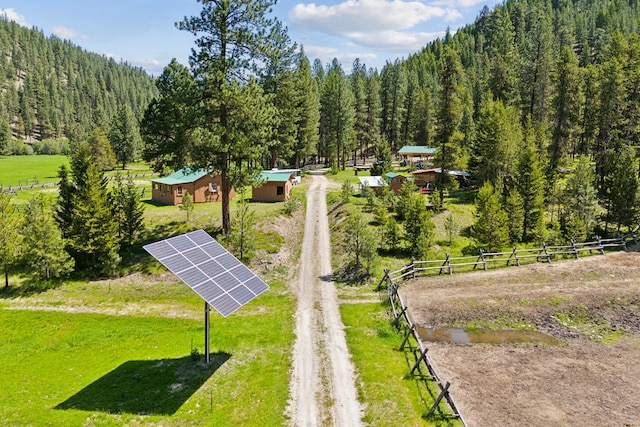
x=209, y=269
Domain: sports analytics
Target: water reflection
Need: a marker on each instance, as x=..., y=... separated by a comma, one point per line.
x=485, y=336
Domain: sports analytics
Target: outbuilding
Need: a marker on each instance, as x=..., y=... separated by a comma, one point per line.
x=376, y=183
x=416, y=153
x=275, y=187
x=395, y=181
x=198, y=183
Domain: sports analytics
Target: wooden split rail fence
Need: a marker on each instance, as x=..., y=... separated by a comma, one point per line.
x=509, y=258
x=34, y=184
x=401, y=318
x=399, y=309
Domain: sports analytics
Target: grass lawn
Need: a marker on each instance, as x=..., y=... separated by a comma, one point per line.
x=16, y=170
x=393, y=397
x=75, y=367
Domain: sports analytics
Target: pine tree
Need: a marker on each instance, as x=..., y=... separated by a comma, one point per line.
x=360, y=244
x=495, y=149
x=84, y=214
x=124, y=136
x=514, y=206
x=308, y=112
x=127, y=210
x=277, y=79
x=566, y=103
x=579, y=198
x=167, y=126
x=187, y=205
x=45, y=252
x=101, y=150
x=622, y=208
x=337, y=107
x=418, y=227
x=234, y=117
x=529, y=182
x=448, y=137
x=10, y=237
x=491, y=229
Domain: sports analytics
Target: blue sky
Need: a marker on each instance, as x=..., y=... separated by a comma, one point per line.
x=142, y=32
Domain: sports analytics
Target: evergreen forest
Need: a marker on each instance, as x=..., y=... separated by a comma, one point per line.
x=538, y=100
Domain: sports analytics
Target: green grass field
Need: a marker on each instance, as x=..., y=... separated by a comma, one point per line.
x=79, y=366
x=16, y=170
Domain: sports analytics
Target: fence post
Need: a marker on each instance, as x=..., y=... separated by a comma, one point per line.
x=413, y=268
x=384, y=278
x=575, y=249
x=443, y=393
x=546, y=254
x=423, y=356
x=599, y=245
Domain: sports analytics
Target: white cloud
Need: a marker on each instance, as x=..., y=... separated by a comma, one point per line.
x=67, y=33
x=327, y=54
x=395, y=41
x=11, y=15
x=367, y=16
x=465, y=4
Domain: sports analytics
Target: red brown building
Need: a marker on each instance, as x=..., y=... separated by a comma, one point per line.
x=199, y=184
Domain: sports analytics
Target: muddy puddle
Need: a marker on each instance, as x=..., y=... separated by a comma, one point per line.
x=485, y=336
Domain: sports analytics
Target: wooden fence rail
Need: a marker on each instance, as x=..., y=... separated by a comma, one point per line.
x=401, y=319
x=513, y=257
x=34, y=184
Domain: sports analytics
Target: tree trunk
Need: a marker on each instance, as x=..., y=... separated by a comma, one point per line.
x=6, y=276
x=226, y=190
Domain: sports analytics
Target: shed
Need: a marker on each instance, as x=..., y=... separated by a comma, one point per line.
x=198, y=183
x=423, y=177
x=374, y=182
x=297, y=174
x=395, y=181
x=275, y=187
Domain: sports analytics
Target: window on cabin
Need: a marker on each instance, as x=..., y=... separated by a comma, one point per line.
x=179, y=190
x=280, y=190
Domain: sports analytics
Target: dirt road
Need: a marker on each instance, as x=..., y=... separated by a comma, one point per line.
x=323, y=391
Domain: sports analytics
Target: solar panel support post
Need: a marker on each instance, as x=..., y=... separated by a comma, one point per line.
x=207, y=352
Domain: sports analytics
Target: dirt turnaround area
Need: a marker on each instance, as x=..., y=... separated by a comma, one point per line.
x=591, y=305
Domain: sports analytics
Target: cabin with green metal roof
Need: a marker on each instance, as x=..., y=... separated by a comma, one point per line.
x=275, y=186
x=201, y=185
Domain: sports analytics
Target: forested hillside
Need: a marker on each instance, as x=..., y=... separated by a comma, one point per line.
x=53, y=89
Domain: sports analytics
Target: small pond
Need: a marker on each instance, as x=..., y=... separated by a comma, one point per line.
x=485, y=336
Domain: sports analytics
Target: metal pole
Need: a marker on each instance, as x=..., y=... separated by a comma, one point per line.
x=207, y=355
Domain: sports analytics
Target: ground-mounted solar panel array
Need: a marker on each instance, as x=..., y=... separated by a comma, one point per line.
x=209, y=269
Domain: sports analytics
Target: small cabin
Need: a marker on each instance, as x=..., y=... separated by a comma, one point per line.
x=422, y=178
x=395, y=181
x=198, y=183
x=274, y=187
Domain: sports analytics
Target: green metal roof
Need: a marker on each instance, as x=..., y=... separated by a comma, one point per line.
x=416, y=149
x=182, y=176
x=391, y=175
x=275, y=176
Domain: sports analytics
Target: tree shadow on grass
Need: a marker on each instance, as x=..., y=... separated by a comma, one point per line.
x=146, y=387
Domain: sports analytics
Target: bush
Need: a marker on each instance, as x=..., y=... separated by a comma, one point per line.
x=18, y=148
x=291, y=206
x=51, y=146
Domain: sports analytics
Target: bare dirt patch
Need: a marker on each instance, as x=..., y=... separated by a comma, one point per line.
x=591, y=379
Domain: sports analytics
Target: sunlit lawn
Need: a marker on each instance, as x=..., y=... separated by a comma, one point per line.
x=77, y=367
